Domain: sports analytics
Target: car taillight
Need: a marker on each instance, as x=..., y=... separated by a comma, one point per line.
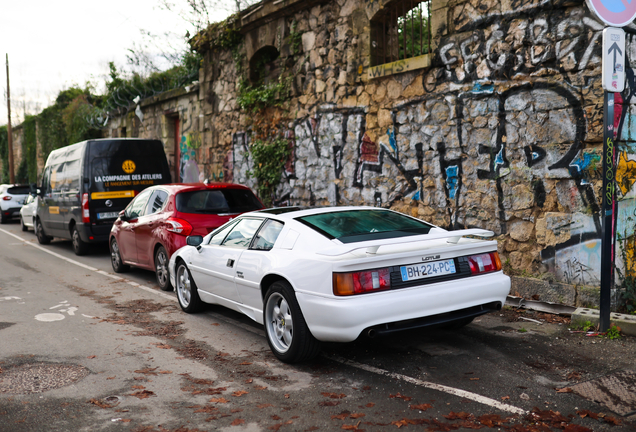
x=6, y=198
x=86, y=216
x=178, y=226
x=345, y=284
x=484, y=263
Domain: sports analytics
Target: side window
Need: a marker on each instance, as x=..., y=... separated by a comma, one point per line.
x=242, y=233
x=46, y=184
x=218, y=238
x=137, y=206
x=57, y=178
x=71, y=175
x=267, y=235
x=157, y=201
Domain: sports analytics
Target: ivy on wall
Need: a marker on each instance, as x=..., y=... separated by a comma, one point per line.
x=4, y=154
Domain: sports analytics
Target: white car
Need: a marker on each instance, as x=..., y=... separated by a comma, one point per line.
x=11, y=199
x=334, y=274
x=28, y=211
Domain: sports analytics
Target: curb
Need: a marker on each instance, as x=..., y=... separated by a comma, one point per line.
x=627, y=323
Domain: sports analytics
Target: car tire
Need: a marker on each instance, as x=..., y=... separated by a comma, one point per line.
x=161, y=269
x=79, y=246
x=22, y=225
x=187, y=292
x=457, y=324
x=115, y=258
x=287, y=333
x=40, y=234
x=3, y=219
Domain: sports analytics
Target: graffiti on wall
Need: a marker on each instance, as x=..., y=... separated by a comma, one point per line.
x=481, y=153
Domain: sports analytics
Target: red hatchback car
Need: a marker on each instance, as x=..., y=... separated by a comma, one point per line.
x=157, y=221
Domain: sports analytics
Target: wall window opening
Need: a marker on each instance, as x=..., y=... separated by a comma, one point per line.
x=401, y=30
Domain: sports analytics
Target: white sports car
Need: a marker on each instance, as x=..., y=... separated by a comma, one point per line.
x=334, y=274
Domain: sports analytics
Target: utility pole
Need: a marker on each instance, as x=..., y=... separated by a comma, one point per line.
x=9, y=133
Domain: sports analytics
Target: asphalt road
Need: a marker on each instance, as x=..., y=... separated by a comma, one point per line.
x=85, y=349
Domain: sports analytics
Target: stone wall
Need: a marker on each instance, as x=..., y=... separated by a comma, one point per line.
x=499, y=128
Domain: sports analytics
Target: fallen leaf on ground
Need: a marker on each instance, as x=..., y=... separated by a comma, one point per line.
x=399, y=396
x=249, y=381
x=138, y=387
x=245, y=363
x=334, y=395
x=143, y=394
x=343, y=415
x=239, y=393
x=505, y=397
x=237, y=422
x=370, y=405
x=357, y=415
x=91, y=357
x=265, y=405
x=421, y=407
x=219, y=400
x=564, y=390
x=147, y=371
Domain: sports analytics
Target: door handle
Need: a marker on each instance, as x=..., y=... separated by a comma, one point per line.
x=230, y=263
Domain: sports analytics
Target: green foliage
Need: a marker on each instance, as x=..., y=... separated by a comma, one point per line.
x=28, y=168
x=614, y=332
x=269, y=159
x=414, y=27
x=522, y=330
x=586, y=326
x=294, y=39
x=4, y=154
x=254, y=98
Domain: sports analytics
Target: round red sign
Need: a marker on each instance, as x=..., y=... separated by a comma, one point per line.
x=616, y=13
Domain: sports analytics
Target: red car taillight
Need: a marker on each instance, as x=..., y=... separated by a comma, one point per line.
x=86, y=216
x=6, y=198
x=178, y=226
x=484, y=263
x=345, y=284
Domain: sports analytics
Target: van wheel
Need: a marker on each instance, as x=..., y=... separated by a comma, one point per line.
x=161, y=269
x=39, y=233
x=79, y=247
x=115, y=258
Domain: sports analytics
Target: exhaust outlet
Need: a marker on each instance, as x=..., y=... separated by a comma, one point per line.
x=371, y=333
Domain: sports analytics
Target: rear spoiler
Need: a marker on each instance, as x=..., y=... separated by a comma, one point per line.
x=372, y=246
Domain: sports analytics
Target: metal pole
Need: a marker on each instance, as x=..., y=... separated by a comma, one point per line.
x=9, y=133
x=609, y=211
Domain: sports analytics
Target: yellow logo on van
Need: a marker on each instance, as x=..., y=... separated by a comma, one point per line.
x=113, y=194
x=128, y=166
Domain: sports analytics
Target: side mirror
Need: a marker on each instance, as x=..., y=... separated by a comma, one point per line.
x=122, y=215
x=194, y=240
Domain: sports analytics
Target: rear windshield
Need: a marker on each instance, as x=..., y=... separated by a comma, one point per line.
x=19, y=190
x=361, y=225
x=218, y=201
x=126, y=165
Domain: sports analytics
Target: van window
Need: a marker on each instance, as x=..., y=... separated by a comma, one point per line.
x=71, y=176
x=126, y=165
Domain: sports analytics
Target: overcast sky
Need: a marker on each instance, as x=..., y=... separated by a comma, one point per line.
x=54, y=45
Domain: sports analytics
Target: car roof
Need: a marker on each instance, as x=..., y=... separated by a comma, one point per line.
x=295, y=212
x=181, y=187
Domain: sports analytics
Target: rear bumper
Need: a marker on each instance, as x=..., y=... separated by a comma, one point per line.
x=11, y=212
x=94, y=233
x=343, y=319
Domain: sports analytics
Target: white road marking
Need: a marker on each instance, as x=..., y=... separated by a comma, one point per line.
x=49, y=317
x=445, y=389
x=9, y=298
x=450, y=390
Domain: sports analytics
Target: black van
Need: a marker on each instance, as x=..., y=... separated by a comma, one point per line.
x=86, y=185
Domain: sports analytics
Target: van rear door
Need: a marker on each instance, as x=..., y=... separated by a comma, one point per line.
x=117, y=170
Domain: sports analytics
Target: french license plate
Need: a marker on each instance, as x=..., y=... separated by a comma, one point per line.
x=430, y=269
x=107, y=215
